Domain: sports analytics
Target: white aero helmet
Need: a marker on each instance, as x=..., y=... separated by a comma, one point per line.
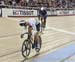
x=42, y=8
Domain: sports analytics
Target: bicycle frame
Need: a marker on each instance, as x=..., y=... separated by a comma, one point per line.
x=26, y=46
x=29, y=36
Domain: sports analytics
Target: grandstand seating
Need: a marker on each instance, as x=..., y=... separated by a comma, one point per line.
x=38, y=3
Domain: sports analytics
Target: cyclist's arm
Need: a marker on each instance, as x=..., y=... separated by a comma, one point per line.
x=23, y=32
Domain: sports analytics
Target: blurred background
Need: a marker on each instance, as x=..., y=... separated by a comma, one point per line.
x=38, y=3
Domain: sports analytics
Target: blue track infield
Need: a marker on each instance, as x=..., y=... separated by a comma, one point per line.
x=59, y=55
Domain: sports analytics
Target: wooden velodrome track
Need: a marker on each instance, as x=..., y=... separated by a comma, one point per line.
x=58, y=34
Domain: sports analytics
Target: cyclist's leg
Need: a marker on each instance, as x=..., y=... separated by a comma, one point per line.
x=33, y=37
x=45, y=17
x=42, y=24
x=37, y=40
x=38, y=27
x=36, y=37
x=39, y=17
x=30, y=30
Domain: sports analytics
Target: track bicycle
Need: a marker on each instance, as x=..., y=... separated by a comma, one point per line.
x=26, y=46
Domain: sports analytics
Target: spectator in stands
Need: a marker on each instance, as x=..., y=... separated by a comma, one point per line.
x=14, y=3
x=2, y=2
x=9, y=2
x=52, y=3
x=22, y=2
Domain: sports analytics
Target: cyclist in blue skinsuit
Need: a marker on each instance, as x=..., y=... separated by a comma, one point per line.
x=42, y=13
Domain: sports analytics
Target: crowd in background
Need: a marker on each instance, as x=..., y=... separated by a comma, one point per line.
x=37, y=3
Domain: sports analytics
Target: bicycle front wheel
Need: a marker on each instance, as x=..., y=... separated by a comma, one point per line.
x=26, y=48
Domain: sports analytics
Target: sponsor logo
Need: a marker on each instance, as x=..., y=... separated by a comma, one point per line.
x=23, y=12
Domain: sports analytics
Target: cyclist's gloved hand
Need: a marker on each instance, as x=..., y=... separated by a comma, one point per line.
x=22, y=35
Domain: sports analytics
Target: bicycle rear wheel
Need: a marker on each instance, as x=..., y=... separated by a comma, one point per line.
x=38, y=44
x=26, y=48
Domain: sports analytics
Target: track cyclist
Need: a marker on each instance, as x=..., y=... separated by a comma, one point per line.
x=33, y=26
x=42, y=15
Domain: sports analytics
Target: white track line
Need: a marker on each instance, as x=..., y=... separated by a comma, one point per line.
x=16, y=19
x=52, y=28
x=60, y=30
